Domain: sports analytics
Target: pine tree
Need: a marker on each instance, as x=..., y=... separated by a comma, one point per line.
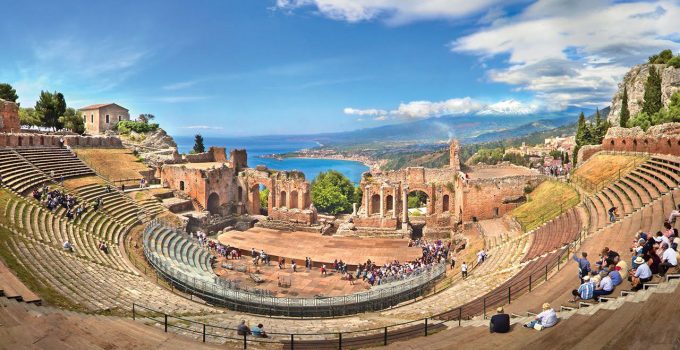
x=652, y=100
x=8, y=93
x=625, y=113
x=581, y=129
x=199, y=147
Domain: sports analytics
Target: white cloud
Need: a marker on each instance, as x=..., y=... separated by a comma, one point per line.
x=180, y=85
x=392, y=11
x=203, y=127
x=370, y=111
x=454, y=106
x=575, y=52
x=424, y=109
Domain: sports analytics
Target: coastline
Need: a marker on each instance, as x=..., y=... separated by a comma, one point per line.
x=372, y=165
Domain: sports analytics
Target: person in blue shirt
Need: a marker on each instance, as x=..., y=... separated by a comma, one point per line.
x=583, y=265
x=259, y=331
x=584, y=291
x=615, y=275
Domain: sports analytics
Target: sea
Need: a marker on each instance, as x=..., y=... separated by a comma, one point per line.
x=259, y=146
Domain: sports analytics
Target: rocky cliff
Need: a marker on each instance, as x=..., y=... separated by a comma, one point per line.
x=635, y=80
x=154, y=147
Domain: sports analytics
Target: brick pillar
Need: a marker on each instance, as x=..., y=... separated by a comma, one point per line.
x=394, y=203
x=367, y=196
x=404, y=205
x=382, y=202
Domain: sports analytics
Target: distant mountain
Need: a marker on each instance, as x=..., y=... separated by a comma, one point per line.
x=467, y=129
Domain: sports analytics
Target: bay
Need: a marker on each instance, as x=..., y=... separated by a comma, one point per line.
x=259, y=146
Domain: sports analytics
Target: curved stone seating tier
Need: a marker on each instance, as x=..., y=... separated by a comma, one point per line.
x=93, y=286
x=42, y=225
x=116, y=204
x=58, y=160
x=152, y=207
x=17, y=173
x=562, y=230
x=181, y=251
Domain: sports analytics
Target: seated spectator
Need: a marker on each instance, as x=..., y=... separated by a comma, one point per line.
x=615, y=275
x=584, y=291
x=612, y=214
x=669, y=259
x=67, y=246
x=642, y=273
x=243, y=328
x=500, y=322
x=605, y=287
x=674, y=214
x=545, y=319
x=259, y=331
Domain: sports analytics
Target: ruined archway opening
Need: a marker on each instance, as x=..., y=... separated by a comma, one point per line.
x=390, y=203
x=214, y=203
x=240, y=194
x=417, y=202
x=294, y=200
x=263, y=199
x=445, y=203
x=283, y=199
x=375, y=204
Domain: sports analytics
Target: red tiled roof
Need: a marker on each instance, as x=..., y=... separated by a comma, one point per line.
x=98, y=106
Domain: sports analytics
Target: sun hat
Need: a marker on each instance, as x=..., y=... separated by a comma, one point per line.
x=639, y=260
x=546, y=306
x=586, y=278
x=500, y=309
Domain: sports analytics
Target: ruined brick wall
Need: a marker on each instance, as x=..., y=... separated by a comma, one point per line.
x=214, y=154
x=9, y=116
x=287, y=190
x=661, y=139
x=484, y=198
x=199, y=184
x=43, y=140
x=585, y=152
x=377, y=222
x=454, y=155
x=239, y=158
x=305, y=217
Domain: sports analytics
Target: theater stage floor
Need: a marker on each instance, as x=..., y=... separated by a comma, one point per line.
x=298, y=245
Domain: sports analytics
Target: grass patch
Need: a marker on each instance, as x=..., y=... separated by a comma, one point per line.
x=602, y=169
x=113, y=163
x=546, y=201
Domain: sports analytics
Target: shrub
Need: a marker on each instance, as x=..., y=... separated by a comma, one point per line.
x=126, y=126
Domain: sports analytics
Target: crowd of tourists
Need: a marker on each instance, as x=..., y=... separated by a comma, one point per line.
x=53, y=199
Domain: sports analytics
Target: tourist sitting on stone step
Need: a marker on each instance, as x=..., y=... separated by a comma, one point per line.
x=259, y=331
x=612, y=214
x=669, y=259
x=641, y=274
x=547, y=318
x=282, y=263
x=500, y=322
x=605, y=287
x=615, y=275
x=323, y=270
x=243, y=328
x=36, y=194
x=103, y=247
x=67, y=246
x=584, y=291
x=293, y=265
x=674, y=214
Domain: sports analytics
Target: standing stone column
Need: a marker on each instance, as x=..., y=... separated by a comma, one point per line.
x=382, y=201
x=367, y=195
x=354, y=209
x=404, y=205
x=394, y=203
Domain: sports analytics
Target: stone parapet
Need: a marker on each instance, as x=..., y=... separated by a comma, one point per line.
x=15, y=140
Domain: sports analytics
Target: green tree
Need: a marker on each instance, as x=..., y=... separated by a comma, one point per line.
x=416, y=199
x=333, y=193
x=566, y=158
x=50, y=107
x=73, y=120
x=146, y=117
x=29, y=117
x=598, y=129
x=8, y=93
x=662, y=58
x=652, y=98
x=199, y=147
x=674, y=62
x=625, y=113
x=264, y=198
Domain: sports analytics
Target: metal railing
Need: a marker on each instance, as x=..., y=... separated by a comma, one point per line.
x=209, y=289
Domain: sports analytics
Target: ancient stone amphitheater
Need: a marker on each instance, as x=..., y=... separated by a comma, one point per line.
x=111, y=301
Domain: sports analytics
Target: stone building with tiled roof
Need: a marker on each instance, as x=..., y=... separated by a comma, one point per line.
x=101, y=117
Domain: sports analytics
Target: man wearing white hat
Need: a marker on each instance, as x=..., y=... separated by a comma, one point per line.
x=642, y=273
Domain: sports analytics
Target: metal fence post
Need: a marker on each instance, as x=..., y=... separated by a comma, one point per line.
x=546, y=272
x=509, y=295
x=292, y=341
x=484, y=309
x=340, y=340
x=245, y=341
x=529, y=283
x=460, y=315
x=385, y=337
x=204, y=332
x=426, y=326
x=166, y=322
x=133, y=311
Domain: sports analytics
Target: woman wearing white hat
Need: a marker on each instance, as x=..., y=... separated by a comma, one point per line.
x=545, y=319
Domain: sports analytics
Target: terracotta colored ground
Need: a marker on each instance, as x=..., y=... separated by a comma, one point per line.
x=114, y=164
x=298, y=245
x=303, y=283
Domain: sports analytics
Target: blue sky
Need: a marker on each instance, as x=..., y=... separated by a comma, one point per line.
x=305, y=66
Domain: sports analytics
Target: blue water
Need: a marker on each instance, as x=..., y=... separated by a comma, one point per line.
x=263, y=145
